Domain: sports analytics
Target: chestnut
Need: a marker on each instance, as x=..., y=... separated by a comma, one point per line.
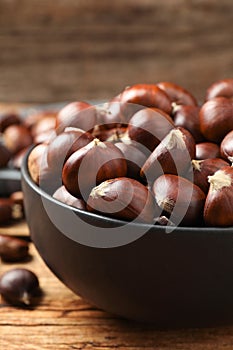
x=204, y=168
x=226, y=147
x=5, y=155
x=123, y=198
x=134, y=158
x=32, y=120
x=63, y=145
x=5, y=210
x=46, y=177
x=20, y=287
x=207, y=150
x=188, y=118
x=219, y=88
x=7, y=119
x=216, y=118
x=177, y=93
x=180, y=199
x=42, y=130
x=112, y=135
x=76, y=114
x=172, y=156
x=13, y=249
x=90, y=165
x=149, y=126
x=17, y=137
x=62, y=195
x=147, y=95
x=218, y=210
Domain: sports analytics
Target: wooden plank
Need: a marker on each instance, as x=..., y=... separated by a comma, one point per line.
x=65, y=321
x=68, y=50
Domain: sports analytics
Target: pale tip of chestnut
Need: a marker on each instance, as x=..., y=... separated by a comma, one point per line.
x=175, y=140
x=196, y=164
x=219, y=180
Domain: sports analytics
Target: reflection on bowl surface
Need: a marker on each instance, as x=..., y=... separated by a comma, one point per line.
x=182, y=278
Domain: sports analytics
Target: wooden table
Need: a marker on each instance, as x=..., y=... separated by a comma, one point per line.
x=63, y=320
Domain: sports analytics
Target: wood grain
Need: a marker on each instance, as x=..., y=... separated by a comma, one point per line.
x=63, y=320
x=66, y=49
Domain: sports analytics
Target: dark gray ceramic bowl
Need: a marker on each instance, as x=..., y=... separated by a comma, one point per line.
x=184, y=278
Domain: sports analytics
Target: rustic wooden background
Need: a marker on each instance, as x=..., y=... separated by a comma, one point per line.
x=87, y=49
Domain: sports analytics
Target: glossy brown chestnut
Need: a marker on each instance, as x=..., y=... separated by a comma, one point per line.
x=46, y=177
x=13, y=249
x=17, y=137
x=112, y=135
x=91, y=165
x=147, y=95
x=180, y=199
x=188, y=118
x=207, y=150
x=76, y=114
x=7, y=119
x=222, y=88
x=134, y=158
x=34, y=118
x=226, y=147
x=123, y=198
x=19, y=287
x=64, y=144
x=149, y=126
x=5, y=155
x=5, y=210
x=177, y=93
x=204, y=168
x=172, y=156
x=216, y=118
x=64, y=196
x=218, y=209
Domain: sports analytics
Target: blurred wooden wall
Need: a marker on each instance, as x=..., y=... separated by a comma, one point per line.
x=90, y=49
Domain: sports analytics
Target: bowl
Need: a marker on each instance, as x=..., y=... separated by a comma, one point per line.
x=173, y=277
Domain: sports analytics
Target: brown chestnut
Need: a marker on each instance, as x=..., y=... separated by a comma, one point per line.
x=226, y=147
x=76, y=114
x=5, y=210
x=43, y=129
x=216, y=118
x=123, y=198
x=172, y=156
x=207, y=150
x=188, y=118
x=19, y=287
x=33, y=118
x=177, y=93
x=149, y=126
x=17, y=137
x=147, y=95
x=7, y=119
x=46, y=177
x=62, y=195
x=204, y=168
x=180, y=199
x=90, y=165
x=134, y=158
x=218, y=209
x=63, y=145
x=13, y=249
x=222, y=88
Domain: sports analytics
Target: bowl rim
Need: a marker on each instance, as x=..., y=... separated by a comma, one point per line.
x=105, y=219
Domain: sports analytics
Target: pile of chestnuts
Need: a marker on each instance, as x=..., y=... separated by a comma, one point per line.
x=151, y=155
